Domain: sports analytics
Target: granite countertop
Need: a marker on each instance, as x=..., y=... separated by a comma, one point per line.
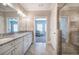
x=12, y=37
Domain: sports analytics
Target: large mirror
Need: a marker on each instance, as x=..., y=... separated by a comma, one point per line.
x=8, y=19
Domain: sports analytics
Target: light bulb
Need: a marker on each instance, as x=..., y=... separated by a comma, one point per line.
x=5, y=4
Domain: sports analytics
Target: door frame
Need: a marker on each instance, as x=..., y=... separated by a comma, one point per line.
x=46, y=28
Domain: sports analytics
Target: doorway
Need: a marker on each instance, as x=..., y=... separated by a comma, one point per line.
x=64, y=28
x=40, y=29
x=65, y=34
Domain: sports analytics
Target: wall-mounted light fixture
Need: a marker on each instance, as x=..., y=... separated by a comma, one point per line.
x=9, y=4
x=21, y=13
x=5, y=4
x=18, y=11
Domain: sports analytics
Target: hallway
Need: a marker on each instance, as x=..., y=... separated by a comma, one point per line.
x=41, y=39
x=40, y=49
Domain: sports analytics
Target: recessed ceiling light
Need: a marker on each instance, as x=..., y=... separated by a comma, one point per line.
x=5, y=4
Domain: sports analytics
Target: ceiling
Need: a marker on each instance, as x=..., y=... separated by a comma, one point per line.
x=36, y=6
x=61, y=5
x=71, y=6
x=5, y=8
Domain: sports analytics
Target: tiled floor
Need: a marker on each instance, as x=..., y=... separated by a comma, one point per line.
x=41, y=39
x=40, y=49
x=46, y=49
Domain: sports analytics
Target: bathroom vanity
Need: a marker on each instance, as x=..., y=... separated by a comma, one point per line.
x=16, y=43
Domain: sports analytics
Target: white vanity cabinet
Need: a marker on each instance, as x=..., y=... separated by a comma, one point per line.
x=18, y=46
x=7, y=47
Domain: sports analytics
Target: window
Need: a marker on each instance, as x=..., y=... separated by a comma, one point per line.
x=39, y=27
x=12, y=25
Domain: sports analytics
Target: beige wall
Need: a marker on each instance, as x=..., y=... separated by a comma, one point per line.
x=53, y=27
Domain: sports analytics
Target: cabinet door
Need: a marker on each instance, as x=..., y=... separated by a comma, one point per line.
x=18, y=49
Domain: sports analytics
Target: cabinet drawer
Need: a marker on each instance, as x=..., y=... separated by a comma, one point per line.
x=6, y=47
